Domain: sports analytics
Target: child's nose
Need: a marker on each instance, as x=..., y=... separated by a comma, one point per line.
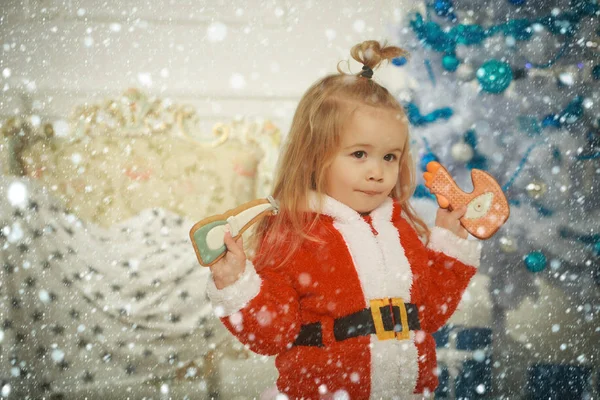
x=375, y=172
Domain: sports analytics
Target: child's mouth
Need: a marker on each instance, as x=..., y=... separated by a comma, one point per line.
x=370, y=193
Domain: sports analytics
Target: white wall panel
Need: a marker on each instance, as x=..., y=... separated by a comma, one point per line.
x=252, y=56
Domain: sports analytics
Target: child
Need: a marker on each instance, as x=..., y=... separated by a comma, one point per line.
x=342, y=289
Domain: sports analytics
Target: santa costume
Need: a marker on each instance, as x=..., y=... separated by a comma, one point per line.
x=352, y=315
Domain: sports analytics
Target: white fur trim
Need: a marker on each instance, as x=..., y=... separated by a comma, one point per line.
x=233, y=298
x=464, y=250
x=333, y=208
x=397, y=281
x=366, y=256
x=383, y=271
x=394, y=366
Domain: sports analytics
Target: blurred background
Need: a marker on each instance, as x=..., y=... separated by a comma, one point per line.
x=223, y=58
x=122, y=124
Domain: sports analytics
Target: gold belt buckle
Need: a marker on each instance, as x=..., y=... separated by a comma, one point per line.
x=381, y=333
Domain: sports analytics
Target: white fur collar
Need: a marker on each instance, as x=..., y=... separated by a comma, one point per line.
x=342, y=213
x=383, y=271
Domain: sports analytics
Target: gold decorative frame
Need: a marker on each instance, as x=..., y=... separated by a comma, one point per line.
x=135, y=114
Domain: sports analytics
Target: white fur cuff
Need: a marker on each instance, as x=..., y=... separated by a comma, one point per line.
x=234, y=297
x=466, y=251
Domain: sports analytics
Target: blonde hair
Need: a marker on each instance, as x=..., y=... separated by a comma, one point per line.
x=313, y=142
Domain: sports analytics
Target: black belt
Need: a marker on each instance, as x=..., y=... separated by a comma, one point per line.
x=388, y=318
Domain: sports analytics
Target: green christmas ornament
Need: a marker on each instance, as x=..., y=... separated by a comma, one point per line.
x=494, y=76
x=450, y=63
x=535, y=261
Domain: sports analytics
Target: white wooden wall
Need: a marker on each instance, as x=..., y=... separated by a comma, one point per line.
x=226, y=58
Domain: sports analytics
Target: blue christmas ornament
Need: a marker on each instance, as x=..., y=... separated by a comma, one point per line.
x=399, y=61
x=494, y=76
x=450, y=63
x=517, y=2
x=428, y=157
x=443, y=7
x=535, y=261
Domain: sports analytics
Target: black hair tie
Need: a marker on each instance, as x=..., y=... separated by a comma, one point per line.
x=367, y=72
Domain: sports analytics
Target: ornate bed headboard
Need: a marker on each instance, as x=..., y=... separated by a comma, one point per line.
x=126, y=154
x=119, y=157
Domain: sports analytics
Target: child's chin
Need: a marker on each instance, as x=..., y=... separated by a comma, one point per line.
x=367, y=208
x=363, y=210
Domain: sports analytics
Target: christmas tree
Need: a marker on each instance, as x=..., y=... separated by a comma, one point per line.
x=512, y=87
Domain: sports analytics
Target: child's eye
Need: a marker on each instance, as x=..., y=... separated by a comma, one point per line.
x=359, y=154
x=390, y=157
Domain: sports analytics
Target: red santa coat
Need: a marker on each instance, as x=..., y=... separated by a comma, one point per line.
x=362, y=259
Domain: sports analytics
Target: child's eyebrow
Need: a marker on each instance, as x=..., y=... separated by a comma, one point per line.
x=369, y=146
x=363, y=145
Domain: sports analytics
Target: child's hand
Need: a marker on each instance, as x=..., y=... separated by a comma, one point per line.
x=450, y=220
x=228, y=269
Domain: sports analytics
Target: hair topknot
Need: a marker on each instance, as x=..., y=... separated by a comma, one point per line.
x=371, y=53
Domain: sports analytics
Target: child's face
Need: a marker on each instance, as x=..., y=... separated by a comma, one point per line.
x=365, y=169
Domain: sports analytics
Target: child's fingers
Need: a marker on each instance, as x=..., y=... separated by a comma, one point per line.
x=459, y=212
x=229, y=242
x=232, y=245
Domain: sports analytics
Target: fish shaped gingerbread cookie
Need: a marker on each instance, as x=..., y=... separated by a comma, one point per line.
x=487, y=207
